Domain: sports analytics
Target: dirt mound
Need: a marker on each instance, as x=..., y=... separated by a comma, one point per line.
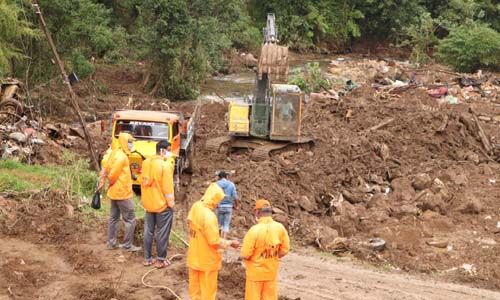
x=401, y=167
x=46, y=216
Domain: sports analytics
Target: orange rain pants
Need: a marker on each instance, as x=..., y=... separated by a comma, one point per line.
x=202, y=285
x=261, y=290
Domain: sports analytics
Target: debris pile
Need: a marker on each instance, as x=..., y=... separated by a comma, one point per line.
x=21, y=141
x=394, y=176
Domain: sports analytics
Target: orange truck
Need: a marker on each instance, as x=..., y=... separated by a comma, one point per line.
x=150, y=127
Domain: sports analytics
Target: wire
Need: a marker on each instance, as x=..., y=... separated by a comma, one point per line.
x=161, y=286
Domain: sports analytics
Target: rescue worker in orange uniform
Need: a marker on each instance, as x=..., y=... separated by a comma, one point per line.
x=263, y=247
x=204, y=258
x=116, y=169
x=157, y=196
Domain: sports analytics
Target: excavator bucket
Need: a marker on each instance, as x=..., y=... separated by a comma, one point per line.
x=273, y=61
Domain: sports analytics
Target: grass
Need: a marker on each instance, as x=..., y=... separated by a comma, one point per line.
x=73, y=176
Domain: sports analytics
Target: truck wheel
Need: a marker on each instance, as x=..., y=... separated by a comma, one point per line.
x=12, y=109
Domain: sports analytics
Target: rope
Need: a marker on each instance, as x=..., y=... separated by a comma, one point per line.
x=161, y=286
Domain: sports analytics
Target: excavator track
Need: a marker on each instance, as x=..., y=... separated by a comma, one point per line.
x=216, y=143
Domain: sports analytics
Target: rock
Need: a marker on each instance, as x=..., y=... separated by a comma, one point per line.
x=472, y=206
x=422, y=181
x=437, y=186
x=438, y=243
x=403, y=190
x=496, y=119
x=473, y=157
x=405, y=210
x=18, y=137
x=433, y=202
x=307, y=204
x=353, y=197
x=484, y=118
x=325, y=237
x=310, y=153
x=378, y=201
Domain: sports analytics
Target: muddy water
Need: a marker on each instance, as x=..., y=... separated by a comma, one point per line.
x=238, y=86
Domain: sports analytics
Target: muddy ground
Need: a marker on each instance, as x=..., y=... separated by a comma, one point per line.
x=424, y=183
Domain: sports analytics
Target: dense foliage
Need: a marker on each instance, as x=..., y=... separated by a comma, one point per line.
x=468, y=48
x=182, y=41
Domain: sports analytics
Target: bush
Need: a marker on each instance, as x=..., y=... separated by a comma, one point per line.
x=468, y=48
x=420, y=36
x=81, y=66
x=310, y=79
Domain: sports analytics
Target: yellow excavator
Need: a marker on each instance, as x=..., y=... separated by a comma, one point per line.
x=271, y=120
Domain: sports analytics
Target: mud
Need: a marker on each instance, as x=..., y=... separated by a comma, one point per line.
x=409, y=182
x=424, y=177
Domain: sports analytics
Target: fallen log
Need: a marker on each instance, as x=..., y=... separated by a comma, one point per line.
x=484, y=139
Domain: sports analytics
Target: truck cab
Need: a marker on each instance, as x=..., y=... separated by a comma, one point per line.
x=150, y=127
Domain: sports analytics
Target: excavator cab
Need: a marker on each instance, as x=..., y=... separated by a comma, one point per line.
x=276, y=117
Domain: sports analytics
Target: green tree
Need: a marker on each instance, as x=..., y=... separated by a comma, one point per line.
x=81, y=29
x=12, y=30
x=185, y=40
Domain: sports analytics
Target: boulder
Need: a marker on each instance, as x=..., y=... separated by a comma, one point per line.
x=404, y=210
x=403, y=189
x=307, y=204
x=472, y=206
x=378, y=201
x=354, y=197
x=18, y=137
x=457, y=179
x=422, y=181
x=433, y=202
x=325, y=236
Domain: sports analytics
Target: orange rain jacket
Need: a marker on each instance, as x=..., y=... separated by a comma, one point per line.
x=204, y=238
x=157, y=187
x=263, y=246
x=117, y=169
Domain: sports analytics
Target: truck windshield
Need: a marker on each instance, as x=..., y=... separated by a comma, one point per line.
x=142, y=129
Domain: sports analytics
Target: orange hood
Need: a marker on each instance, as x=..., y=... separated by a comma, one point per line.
x=213, y=196
x=123, y=139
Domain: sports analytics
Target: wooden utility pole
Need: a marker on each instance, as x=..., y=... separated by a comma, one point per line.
x=73, y=98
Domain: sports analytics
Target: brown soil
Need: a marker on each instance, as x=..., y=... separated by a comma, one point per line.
x=410, y=183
